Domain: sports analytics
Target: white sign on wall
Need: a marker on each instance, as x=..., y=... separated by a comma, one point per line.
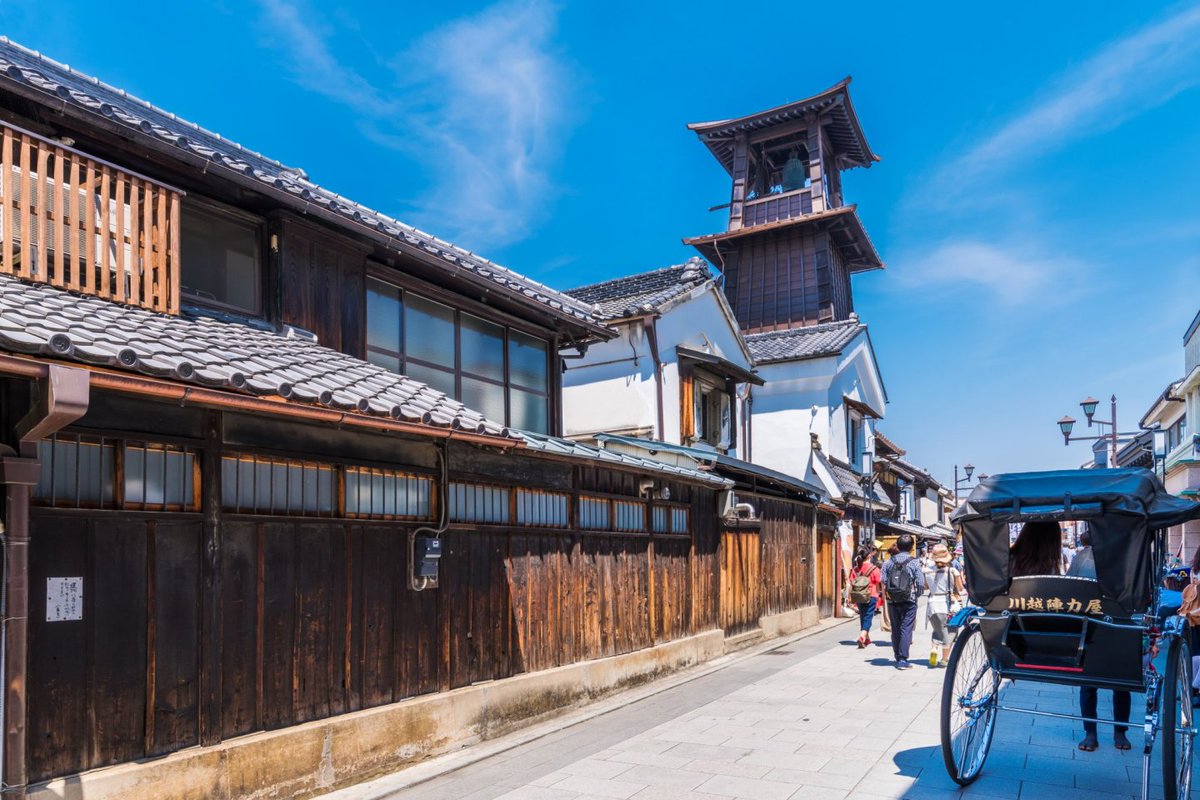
x=64, y=599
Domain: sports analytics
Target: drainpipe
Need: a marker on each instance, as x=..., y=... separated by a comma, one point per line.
x=63, y=398
x=652, y=341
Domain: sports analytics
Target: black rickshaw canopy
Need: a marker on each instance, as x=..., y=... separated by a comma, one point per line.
x=1123, y=509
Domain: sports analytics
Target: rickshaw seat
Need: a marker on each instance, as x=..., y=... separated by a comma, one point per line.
x=1060, y=628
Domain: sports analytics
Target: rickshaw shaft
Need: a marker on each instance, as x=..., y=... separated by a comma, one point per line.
x=1078, y=718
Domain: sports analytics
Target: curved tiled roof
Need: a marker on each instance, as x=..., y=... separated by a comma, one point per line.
x=795, y=344
x=67, y=90
x=643, y=293
x=45, y=321
x=556, y=446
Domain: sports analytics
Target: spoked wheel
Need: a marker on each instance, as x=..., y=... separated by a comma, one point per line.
x=970, y=695
x=1177, y=719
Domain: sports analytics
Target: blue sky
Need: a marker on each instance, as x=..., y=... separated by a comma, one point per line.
x=1038, y=201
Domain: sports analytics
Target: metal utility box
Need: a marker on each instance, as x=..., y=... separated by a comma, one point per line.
x=427, y=552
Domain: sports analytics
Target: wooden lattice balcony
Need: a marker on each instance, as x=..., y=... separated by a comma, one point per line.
x=79, y=223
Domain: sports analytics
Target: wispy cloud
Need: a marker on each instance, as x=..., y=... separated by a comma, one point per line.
x=1126, y=78
x=480, y=102
x=1005, y=272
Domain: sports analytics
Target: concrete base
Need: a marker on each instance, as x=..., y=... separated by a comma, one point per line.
x=308, y=759
x=782, y=624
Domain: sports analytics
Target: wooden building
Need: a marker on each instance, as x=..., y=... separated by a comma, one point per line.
x=787, y=256
x=239, y=415
x=792, y=243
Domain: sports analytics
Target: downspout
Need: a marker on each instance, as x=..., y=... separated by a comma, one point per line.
x=652, y=340
x=63, y=398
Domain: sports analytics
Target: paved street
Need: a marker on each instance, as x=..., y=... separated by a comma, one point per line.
x=813, y=718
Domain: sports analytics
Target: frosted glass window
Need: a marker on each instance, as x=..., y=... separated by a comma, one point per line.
x=528, y=411
x=594, y=514
x=387, y=494
x=75, y=472
x=429, y=331
x=486, y=398
x=470, y=502
x=435, y=378
x=542, y=509
x=159, y=477
x=385, y=314
x=527, y=361
x=482, y=348
x=630, y=516
x=264, y=485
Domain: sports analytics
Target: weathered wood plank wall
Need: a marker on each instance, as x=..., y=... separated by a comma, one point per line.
x=767, y=568
x=317, y=618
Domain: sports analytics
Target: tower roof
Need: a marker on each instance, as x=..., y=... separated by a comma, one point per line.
x=843, y=224
x=843, y=127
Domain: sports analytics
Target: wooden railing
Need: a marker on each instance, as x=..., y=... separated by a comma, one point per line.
x=82, y=224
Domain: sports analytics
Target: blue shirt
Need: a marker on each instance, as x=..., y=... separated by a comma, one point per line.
x=913, y=566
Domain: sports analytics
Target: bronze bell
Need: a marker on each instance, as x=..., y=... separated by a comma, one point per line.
x=795, y=173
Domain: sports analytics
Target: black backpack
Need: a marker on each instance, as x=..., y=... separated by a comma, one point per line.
x=900, y=582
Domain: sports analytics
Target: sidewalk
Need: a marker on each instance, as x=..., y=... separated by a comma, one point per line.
x=813, y=718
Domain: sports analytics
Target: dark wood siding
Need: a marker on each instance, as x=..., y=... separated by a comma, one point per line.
x=316, y=617
x=322, y=285
x=785, y=279
x=767, y=568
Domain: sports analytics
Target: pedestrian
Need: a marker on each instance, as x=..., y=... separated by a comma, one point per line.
x=944, y=584
x=885, y=621
x=1083, y=565
x=864, y=591
x=1037, y=550
x=903, y=583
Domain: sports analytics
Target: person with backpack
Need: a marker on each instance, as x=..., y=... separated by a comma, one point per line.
x=865, y=580
x=903, y=582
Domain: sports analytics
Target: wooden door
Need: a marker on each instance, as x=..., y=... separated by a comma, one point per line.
x=826, y=569
x=741, y=560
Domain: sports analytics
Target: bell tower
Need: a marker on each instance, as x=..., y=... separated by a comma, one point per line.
x=792, y=243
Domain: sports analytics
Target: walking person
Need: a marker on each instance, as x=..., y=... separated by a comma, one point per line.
x=944, y=584
x=865, y=580
x=885, y=621
x=1083, y=565
x=903, y=583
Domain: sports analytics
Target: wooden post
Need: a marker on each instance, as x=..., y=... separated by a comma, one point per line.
x=211, y=584
x=816, y=165
x=19, y=475
x=741, y=150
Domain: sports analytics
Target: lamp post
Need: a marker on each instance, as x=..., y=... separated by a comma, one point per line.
x=1067, y=424
x=970, y=470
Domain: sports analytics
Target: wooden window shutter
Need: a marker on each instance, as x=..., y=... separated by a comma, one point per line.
x=687, y=407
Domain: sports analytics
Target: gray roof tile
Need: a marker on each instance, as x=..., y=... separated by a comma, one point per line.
x=66, y=88
x=568, y=447
x=795, y=344
x=643, y=293
x=848, y=481
x=190, y=349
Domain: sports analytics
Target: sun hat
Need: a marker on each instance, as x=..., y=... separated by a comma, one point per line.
x=940, y=554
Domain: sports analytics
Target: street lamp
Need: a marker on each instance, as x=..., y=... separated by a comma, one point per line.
x=970, y=470
x=1088, y=404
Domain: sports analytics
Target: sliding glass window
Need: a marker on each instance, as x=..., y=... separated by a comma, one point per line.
x=500, y=372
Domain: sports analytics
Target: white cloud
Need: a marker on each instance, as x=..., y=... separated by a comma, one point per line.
x=478, y=102
x=1006, y=272
x=1124, y=79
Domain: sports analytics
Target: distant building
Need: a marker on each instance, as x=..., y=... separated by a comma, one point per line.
x=787, y=255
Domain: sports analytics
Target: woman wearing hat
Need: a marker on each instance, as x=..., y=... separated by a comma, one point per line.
x=944, y=584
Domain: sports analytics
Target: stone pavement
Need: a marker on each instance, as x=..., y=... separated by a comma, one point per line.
x=813, y=718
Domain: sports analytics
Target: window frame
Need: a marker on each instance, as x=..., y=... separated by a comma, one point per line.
x=212, y=208
x=546, y=393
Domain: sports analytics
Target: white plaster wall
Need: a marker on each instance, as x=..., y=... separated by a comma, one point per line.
x=612, y=387
x=784, y=415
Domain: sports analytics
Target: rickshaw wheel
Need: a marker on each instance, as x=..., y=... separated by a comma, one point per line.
x=1177, y=713
x=970, y=695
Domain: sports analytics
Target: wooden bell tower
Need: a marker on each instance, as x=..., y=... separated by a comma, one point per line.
x=792, y=243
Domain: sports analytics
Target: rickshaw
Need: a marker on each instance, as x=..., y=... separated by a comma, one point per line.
x=1114, y=632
